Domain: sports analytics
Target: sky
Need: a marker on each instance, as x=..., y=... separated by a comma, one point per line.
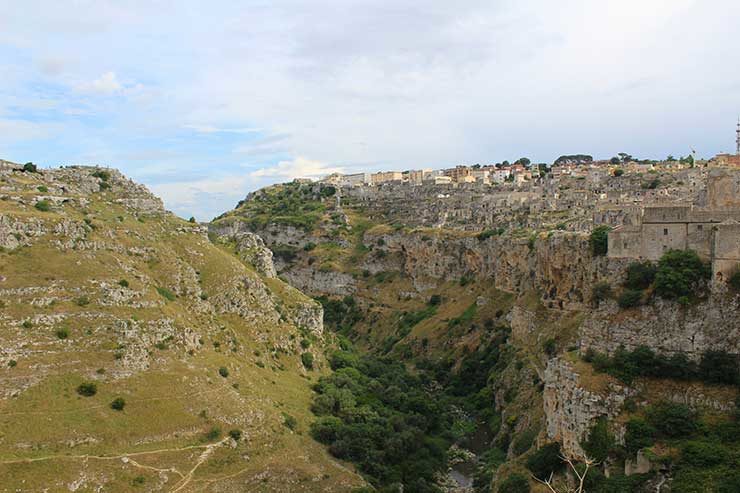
x=206, y=101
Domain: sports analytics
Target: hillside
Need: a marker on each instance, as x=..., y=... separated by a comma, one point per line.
x=136, y=355
x=529, y=335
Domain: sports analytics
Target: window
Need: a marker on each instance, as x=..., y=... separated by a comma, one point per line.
x=665, y=231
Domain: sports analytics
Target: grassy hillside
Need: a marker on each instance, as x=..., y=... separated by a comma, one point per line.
x=135, y=355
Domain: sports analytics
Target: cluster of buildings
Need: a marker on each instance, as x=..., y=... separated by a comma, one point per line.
x=516, y=173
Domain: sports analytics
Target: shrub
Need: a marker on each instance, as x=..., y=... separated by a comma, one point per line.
x=87, y=389
x=638, y=435
x=599, y=240
x=326, y=429
x=235, y=434
x=43, y=205
x=720, y=367
x=618, y=172
x=138, y=480
x=734, y=281
x=599, y=442
x=514, y=483
x=30, y=168
x=435, y=300
x=550, y=346
x=630, y=298
x=62, y=333
x=102, y=174
x=118, y=404
x=289, y=421
x=640, y=275
x=123, y=283
x=12, y=363
x=27, y=324
x=42, y=189
x=307, y=360
x=223, y=371
x=672, y=420
x=545, y=461
x=192, y=219
x=601, y=291
x=703, y=454
x=680, y=273
x=166, y=294
x=524, y=441
x=305, y=343
x=82, y=301
x=214, y=433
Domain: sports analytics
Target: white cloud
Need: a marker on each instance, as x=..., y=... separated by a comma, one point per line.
x=204, y=197
x=211, y=129
x=299, y=167
x=105, y=84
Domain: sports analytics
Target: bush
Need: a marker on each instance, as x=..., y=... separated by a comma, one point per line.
x=550, y=346
x=734, y=281
x=82, y=301
x=618, y=172
x=223, y=371
x=214, y=433
x=672, y=420
x=123, y=283
x=307, y=360
x=720, y=367
x=600, y=441
x=12, y=363
x=166, y=294
x=62, y=333
x=638, y=435
x=601, y=291
x=680, y=273
x=192, y=220
x=87, y=389
x=235, y=434
x=599, y=240
x=43, y=205
x=545, y=461
x=514, y=483
x=289, y=421
x=703, y=454
x=524, y=441
x=435, y=300
x=630, y=298
x=102, y=174
x=640, y=275
x=42, y=189
x=118, y=404
x=30, y=168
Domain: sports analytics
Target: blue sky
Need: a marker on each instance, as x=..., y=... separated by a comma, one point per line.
x=204, y=102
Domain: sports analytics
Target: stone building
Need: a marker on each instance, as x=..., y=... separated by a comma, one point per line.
x=711, y=229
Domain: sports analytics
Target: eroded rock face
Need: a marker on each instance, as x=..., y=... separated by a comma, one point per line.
x=666, y=327
x=559, y=266
x=571, y=410
x=253, y=250
x=318, y=282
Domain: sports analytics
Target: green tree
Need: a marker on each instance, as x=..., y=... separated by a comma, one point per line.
x=680, y=273
x=599, y=442
x=599, y=240
x=640, y=275
x=514, y=483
